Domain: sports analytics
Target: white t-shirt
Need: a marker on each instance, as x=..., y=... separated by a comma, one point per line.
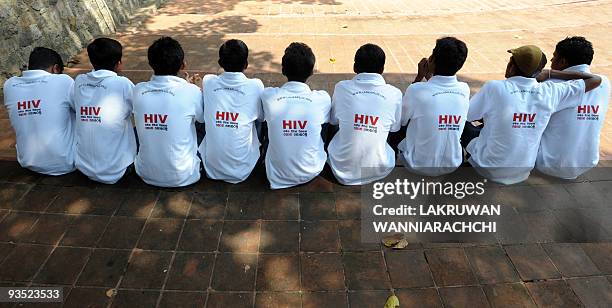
x=366, y=109
x=232, y=104
x=570, y=143
x=515, y=112
x=165, y=111
x=437, y=110
x=38, y=104
x=105, y=140
x=294, y=114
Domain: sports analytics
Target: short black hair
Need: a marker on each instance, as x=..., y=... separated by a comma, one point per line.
x=575, y=50
x=298, y=62
x=166, y=56
x=233, y=55
x=370, y=58
x=104, y=53
x=449, y=56
x=42, y=58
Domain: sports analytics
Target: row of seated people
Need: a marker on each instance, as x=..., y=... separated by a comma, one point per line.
x=549, y=119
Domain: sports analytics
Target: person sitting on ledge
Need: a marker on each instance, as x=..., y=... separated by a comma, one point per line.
x=165, y=111
x=106, y=145
x=295, y=115
x=40, y=111
x=578, y=127
x=366, y=109
x=232, y=107
x=435, y=112
x=515, y=113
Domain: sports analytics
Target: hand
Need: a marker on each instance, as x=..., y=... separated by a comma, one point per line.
x=196, y=79
x=423, y=67
x=543, y=75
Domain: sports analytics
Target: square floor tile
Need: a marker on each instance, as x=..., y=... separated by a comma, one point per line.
x=324, y=299
x=64, y=266
x=240, y=236
x=85, y=231
x=322, y=271
x=553, y=294
x=450, y=267
x=104, y=268
x=280, y=206
x=472, y=297
x=208, y=206
x=244, y=206
x=23, y=262
x=319, y=236
x=147, y=270
x=491, y=265
x=200, y=235
x=122, y=232
x=508, y=295
x=234, y=272
x=190, y=271
x=317, y=206
x=365, y=271
x=278, y=272
x=408, y=269
x=161, y=234
x=532, y=262
x=280, y=237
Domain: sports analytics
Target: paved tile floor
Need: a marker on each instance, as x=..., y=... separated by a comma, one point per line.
x=220, y=245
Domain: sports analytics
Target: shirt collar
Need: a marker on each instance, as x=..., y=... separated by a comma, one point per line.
x=233, y=76
x=371, y=78
x=102, y=73
x=443, y=79
x=583, y=68
x=167, y=79
x=296, y=86
x=34, y=73
x=523, y=80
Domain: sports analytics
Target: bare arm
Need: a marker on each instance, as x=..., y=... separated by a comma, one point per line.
x=590, y=81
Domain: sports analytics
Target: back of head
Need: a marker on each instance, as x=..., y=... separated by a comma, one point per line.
x=575, y=50
x=298, y=62
x=166, y=56
x=42, y=58
x=104, y=53
x=233, y=56
x=449, y=55
x=369, y=58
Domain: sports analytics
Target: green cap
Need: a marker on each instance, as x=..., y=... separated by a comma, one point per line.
x=527, y=58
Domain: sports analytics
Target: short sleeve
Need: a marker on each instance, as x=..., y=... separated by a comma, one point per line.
x=260, y=88
x=567, y=94
x=199, y=107
x=333, y=116
x=479, y=103
x=128, y=90
x=407, y=108
x=397, y=119
x=326, y=106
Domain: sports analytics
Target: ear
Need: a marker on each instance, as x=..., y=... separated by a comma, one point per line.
x=183, y=65
x=219, y=62
x=119, y=66
x=355, y=68
x=55, y=69
x=246, y=65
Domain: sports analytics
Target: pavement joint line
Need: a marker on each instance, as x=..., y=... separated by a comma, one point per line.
x=124, y=272
x=172, y=258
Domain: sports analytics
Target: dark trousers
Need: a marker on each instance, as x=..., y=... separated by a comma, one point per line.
x=470, y=132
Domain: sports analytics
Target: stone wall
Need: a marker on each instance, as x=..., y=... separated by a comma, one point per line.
x=63, y=25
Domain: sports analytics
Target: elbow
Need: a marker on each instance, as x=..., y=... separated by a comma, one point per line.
x=592, y=83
